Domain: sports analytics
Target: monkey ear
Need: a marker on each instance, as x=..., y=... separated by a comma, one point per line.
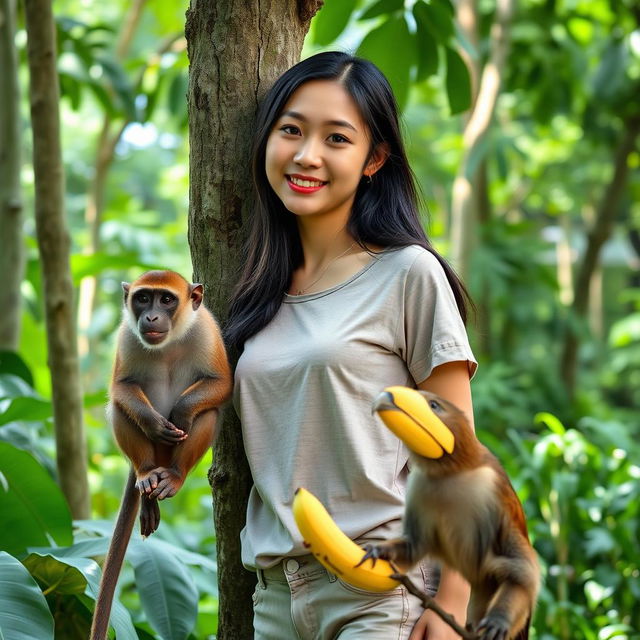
x=197, y=291
x=125, y=287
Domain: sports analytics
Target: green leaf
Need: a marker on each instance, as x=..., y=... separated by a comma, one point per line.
x=426, y=41
x=92, y=265
x=54, y=575
x=437, y=18
x=24, y=614
x=26, y=409
x=11, y=362
x=32, y=507
x=611, y=75
x=382, y=7
x=72, y=559
x=121, y=85
x=331, y=20
x=167, y=591
x=391, y=46
x=458, y=82
x=12, y=386
x=598, y=541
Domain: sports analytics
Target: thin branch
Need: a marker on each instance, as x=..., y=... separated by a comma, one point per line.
x=429, y=603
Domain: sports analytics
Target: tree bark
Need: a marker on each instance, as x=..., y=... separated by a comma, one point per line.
x=464, y=205
x=597, y=236
x=236, y=50
x=12, y=253
x=53, y=245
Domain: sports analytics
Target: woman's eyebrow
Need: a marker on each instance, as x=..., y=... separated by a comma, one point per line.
x=302, y=118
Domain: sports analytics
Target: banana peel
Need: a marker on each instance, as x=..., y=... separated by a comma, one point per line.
x=335, y=550
x=406, y=412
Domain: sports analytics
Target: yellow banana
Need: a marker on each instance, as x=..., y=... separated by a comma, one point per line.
x=407, y=413
x=333, y=549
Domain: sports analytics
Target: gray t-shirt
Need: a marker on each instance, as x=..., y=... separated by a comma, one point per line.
x=304, y=387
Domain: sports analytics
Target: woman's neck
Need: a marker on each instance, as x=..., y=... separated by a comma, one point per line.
x=321, y=242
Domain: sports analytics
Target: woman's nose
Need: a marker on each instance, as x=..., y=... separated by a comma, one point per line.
x=308, y=153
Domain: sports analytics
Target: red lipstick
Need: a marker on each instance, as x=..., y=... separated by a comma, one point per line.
x=304, y=184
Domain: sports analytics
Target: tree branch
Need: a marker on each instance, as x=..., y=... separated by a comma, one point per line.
x=429, y=603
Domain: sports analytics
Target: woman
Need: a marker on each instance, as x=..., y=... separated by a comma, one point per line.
x=342, y=295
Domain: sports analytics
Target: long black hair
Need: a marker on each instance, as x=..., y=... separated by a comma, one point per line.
x=385, y=210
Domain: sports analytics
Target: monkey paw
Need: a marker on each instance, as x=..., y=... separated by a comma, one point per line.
x=169, y=482
x=149, y=516
x=148, y=482
x=493, y=628
x=375, y=552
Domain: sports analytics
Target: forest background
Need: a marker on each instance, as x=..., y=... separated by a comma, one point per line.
x=522, y=127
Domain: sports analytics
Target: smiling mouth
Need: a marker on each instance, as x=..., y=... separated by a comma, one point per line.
x=304, y=185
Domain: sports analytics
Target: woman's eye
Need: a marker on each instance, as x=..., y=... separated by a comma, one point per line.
x=337, y=138
x=290, y=129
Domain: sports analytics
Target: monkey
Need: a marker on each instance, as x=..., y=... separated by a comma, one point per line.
x=462, y=510
x=171, y=375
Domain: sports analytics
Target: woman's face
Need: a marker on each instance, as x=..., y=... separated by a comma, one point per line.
x=317, y=151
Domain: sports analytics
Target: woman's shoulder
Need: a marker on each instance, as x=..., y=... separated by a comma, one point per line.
x=412, y=258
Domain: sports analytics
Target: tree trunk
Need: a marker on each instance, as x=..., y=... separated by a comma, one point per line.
x=599, y=234
x=236, y=50
x=464, y=205
x=53, y=245
x=11, y=254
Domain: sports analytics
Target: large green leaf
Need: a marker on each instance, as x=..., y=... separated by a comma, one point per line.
x=426, y=40
x=392, y=47
x=26, y=409
x=167, y=591
x=55, y=575
x=458, y=82
x=83, y=265
x=62, y=573
x=11, y=362
x=331, y=20
x=382, y=7
x=24, y=614
x=32, y=508
x=437, y=17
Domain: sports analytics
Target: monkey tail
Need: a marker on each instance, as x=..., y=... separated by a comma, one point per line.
x=115, y=557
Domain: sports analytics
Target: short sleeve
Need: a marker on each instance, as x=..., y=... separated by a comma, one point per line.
x=430, y=329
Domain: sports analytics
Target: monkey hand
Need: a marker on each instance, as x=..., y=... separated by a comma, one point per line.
x=162, y=430
x=182, y=417
x=394, y=551
x=493, y=627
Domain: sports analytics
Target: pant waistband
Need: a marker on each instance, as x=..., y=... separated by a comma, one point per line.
x=289, y=569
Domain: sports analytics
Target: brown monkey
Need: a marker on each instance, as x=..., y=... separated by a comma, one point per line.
x=462, y=510
x=170, y=376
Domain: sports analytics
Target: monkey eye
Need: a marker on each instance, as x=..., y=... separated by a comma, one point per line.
x=167, y=298
x=435, y=406
x=142, y=298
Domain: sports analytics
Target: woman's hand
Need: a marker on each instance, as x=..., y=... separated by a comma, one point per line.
x=453, y=596
x=431, y=627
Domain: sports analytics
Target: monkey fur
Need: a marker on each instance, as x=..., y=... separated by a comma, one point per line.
x=171, y=375
x=462, y=510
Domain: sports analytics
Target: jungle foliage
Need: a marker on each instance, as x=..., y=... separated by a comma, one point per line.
x=569, y=96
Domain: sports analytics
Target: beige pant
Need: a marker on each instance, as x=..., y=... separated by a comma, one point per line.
x=299, y=599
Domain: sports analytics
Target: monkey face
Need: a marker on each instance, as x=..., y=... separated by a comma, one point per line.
x=154, y=311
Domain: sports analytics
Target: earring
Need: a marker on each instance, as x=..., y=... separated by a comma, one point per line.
x=368, y=177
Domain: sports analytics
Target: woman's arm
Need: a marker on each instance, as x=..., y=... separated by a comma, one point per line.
x=450, y=381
